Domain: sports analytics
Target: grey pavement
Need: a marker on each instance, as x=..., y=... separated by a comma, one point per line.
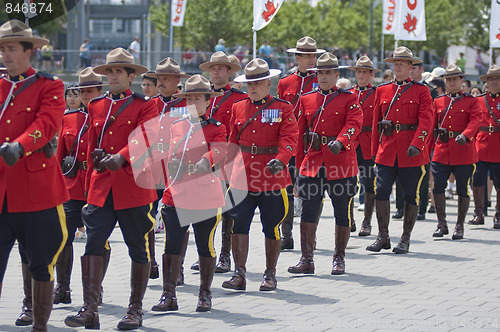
x=441, y=285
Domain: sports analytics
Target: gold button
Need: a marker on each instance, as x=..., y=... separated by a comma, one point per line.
x=81, y=141
x=253, y=131
x=449, y=117
x=11, y=104
x=7, y=139
x=67, y=133
x=203, y=142
x=83, y=153
x=28, y=109
x=187, y=149
x=15, y=86
x=144, y=170
x=114, y=103
x=160, y=127
x=322, y=120
x=189, y=161
x=8, y=121
x=449, y=126
x=255, y=119
x=397, y=109
x=111, y=133
x=213, y=180
x=55, y=97
x=252, y=157
x=43, y=165
x=130, y=122
x=411, y=101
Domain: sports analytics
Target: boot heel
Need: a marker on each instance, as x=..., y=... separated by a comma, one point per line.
x=93, y=327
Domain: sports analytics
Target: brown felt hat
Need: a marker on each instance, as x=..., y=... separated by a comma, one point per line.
x=17, y=31
x=364, y=63
x=493, y=71
x=120, y=57
x=219, y=58
x=306, y=45
x=197, y=84
x=257, y=70
x=403, y=53
x=168, y=66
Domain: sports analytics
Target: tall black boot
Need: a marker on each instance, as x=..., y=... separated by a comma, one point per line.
x=64, y=265
x=478, y=218
x=43, y=298
x=409, y=221
x=171, y=268
x=440, y=205
x=26, y=317
x=224, y=264
x=138, y=283
x=341, y=238
x=463, y=207
x=287, y=226
x=383, y=210
x=154, y=272
x=207, y=268
x=366, y=226
x=106, y=256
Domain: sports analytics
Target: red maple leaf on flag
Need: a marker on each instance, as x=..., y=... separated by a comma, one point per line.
x=498, y=36
x=411, y=24
x=270, y=10
x=388, y=27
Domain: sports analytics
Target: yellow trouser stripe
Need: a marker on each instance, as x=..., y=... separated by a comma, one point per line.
x=469, y=180
x=146, y=236
x=284, y=195
x=106, y=245
x=212, y=234
x=64, y=231
x=417, y=199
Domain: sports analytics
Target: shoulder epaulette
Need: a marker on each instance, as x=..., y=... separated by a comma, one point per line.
x=140, y=95
x=345, y=91
x=374, y=88
x=237, y=90
x=312, y=91
x=98, y=98
x=282, y=100
x=215, y=122
x=386, y=83
x=286, y=75
x=441, y=95
x=47, y=75
x=179, y=120
x=419, y=83
x=247, y=98
x=468, y=95
x=482, y=94
x=67, y=112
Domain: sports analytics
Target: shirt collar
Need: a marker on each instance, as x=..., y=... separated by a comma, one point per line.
x=261, y=101
x=403, y=82
x=494, y=95
x=301, y=74
x=168, y=98
x=454, y=94
x=363, y=88
x=327, y=92
x=120, y=95
x=223, y=89
x=21, y=77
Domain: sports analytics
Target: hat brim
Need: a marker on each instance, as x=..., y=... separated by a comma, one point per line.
x=412, y=60
x=451, y=75
x=207, y=65
x=294, y=50
x=78, y=87
x=244, y=79
x=485, y=77
x=375, y=70
x=155, y=75
x=185, y=94
x=36, y=41
x=139, y=69
x=334, y=68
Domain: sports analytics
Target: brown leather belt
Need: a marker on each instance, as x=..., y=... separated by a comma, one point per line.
x=327, y=139
x=82, y=165
x=254, y=149
x=402, y=127
x=452, y=134
x=490, y=129
x=365, y=129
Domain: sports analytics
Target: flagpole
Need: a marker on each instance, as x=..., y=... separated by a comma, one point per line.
x=491, y=57
x=254, y=44
x=382, y=47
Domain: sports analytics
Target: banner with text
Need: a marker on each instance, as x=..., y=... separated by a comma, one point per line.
x=495, y=24
x=388, y=17
x=178, y=11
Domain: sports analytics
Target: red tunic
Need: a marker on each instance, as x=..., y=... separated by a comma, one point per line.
x=464, y=116
x=196, y=191
x=73, y=122
x=126, y=193
x=222, y=112
x=366, y=98
x=280, y=132
x=32, y=118
x=342, y=117
x=291, y=85
x=488, y=143
x=414, y=106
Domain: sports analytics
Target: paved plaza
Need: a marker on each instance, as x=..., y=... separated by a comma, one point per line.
x=441, y=285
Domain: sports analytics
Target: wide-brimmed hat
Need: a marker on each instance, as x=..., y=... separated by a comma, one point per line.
x=168, y=66
x=219, y=58
x=306, y=45
x=88, y=79
x=452, y=71
x=364, y=63
x=17, y=31
x=327, y=61
x=257, y=70
x=120, y=57
x=197, y=84
x=493, y=71
x=403, y=53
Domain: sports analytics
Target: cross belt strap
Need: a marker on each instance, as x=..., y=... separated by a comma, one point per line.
x=26, y=85
x=302, y=89
x=397, y=97
x=269, y=102
x=114, y=116
x=323, y=107
x=489, y=110
x=223, y=99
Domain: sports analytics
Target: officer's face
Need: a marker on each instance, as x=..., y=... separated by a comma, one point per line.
x=493, y=84
x=87, y=94
x=363, y=77
x=219, y=75
x=327, y=79
x=454, y=84
x=259, y=89
x=402, y=69
x=167, y=84
x=305, y=61
x=15, y=59
x=416, y=72
x=197, y=103
x=118, y=79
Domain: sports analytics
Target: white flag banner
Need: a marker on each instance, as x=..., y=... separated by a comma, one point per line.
x=495, y=24
x=388, y=18
x=264, y=11
x=178, y=11
x=410, y=20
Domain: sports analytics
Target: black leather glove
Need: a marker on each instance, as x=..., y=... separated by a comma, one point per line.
x=275, y=166
x=461, y=139
x=113, y=162
x=11, y=152
x=335, y=146
x=202, y=166
x=413, y=151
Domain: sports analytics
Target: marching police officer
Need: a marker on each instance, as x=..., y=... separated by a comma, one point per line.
x=32, y=188
x=265, y=129
x=221, y=68
x=113, y=194
x=290, y=88
x=457, y=117
x=364, y=72
x=488, y=143
x=402, y=123
x=330, y=120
